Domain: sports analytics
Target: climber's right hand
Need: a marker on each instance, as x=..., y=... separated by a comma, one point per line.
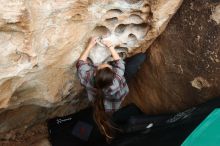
x=107, y=43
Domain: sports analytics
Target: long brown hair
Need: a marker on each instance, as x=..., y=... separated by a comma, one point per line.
x=103, y=78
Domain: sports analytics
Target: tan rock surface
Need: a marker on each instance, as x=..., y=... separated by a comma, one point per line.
x=40, y=41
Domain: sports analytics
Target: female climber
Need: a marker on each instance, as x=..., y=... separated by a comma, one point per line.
x=106, y=84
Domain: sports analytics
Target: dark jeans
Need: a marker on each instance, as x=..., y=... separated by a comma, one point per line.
x=132, y=64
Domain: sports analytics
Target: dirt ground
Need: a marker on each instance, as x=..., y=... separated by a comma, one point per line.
x=34, y=136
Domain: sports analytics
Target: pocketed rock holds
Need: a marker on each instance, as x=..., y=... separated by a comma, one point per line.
x=40, y=41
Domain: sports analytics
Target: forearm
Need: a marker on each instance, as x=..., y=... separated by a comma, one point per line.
x=114, y=53
x=85, y=53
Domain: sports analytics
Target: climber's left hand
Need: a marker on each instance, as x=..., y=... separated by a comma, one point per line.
x=92, y=42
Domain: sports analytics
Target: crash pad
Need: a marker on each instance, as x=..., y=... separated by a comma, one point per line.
x=207, y=133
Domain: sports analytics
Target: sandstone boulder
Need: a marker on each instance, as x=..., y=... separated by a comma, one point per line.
x=183, y=65
x=40, y=41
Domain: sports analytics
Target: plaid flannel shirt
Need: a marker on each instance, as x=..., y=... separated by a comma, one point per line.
x=114, y=94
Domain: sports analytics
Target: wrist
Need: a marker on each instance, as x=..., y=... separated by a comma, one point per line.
x=111, y=47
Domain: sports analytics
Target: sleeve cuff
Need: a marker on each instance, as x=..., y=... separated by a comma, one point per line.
x=118, y=61
x=80, y=63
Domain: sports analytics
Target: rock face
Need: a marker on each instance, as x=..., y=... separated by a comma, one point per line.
x=40, y=40
x=183, y=64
